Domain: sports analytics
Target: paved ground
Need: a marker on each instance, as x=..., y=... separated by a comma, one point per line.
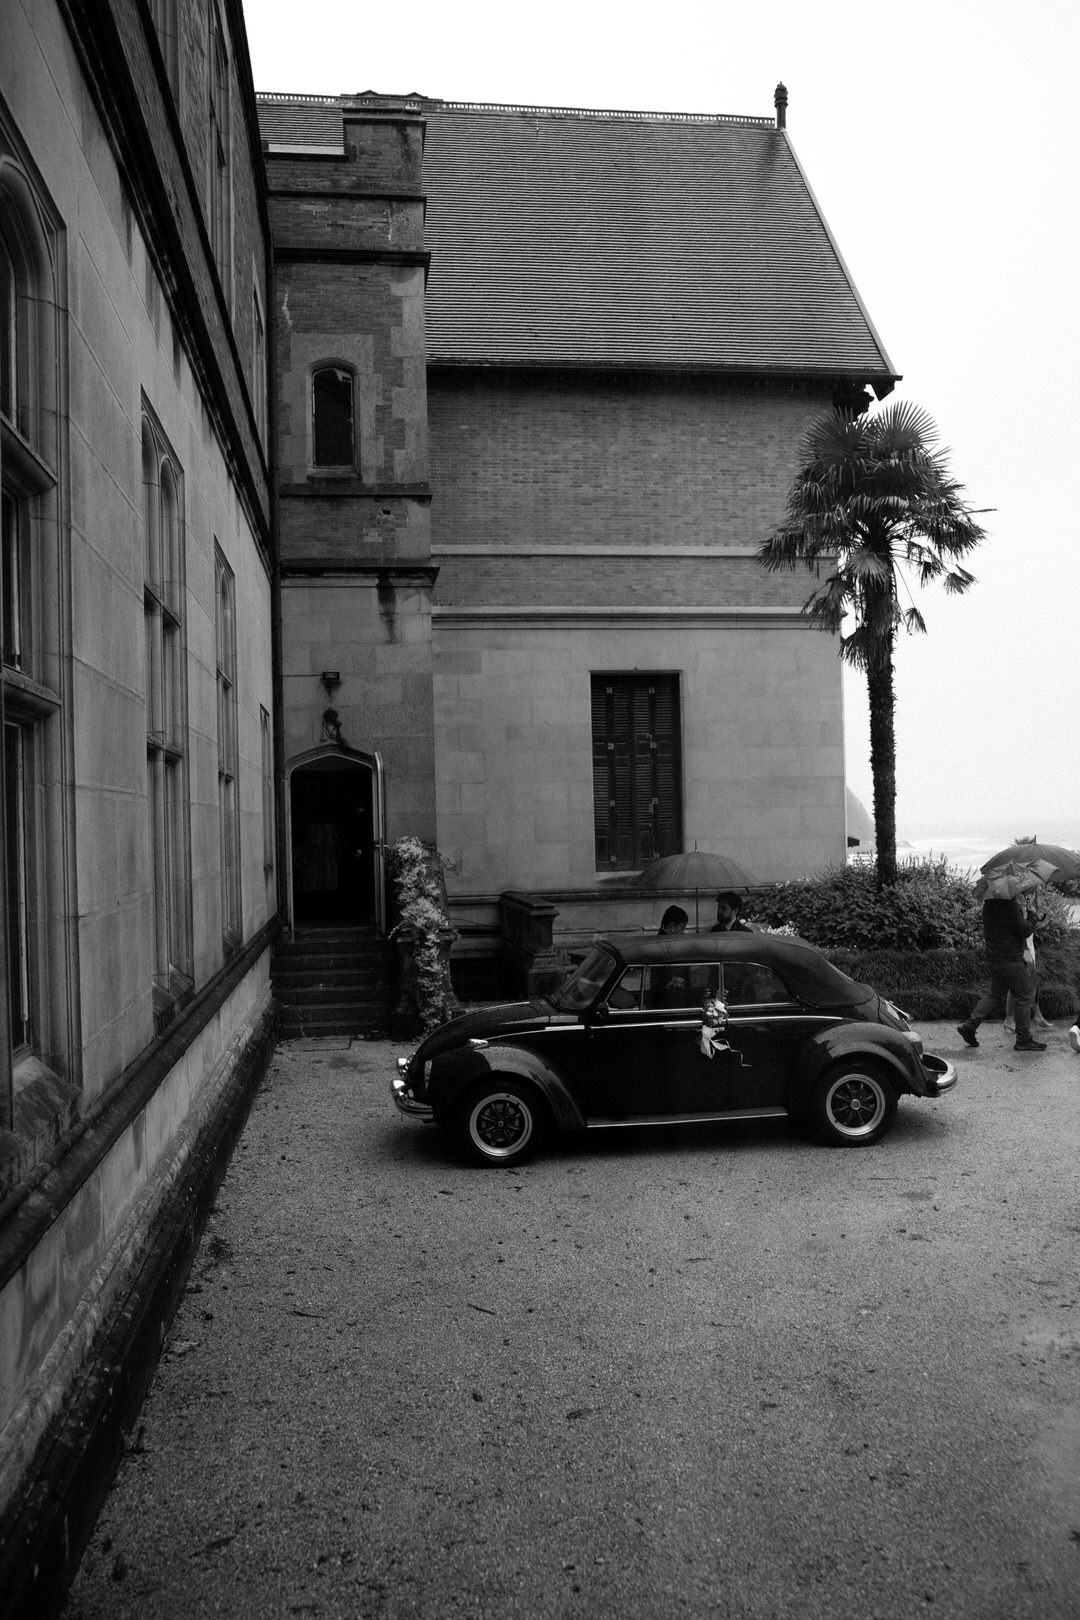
x=723, y=1373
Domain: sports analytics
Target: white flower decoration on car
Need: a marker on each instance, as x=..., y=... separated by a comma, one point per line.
x=714, y=1017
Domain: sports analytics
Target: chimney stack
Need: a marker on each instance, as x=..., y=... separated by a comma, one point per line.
x=780, y=103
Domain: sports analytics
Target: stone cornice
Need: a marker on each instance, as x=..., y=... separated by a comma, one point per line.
x=584, y=618
x=525, y=550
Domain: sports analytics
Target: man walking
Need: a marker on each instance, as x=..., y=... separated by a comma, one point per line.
x=1006, y=927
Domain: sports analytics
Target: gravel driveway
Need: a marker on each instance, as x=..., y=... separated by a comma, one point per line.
x=720, y=1373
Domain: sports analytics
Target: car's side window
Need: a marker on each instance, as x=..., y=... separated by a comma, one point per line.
x=749, y=984
x=680, y=984
x=627, y=993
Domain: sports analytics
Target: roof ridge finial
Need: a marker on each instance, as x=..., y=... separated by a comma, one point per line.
x=780, y=103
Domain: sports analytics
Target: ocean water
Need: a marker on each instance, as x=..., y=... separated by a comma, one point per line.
x=961, y=854
x=966, y=855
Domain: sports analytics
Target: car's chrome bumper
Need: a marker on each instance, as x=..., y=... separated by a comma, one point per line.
x=941, y=1074
x=404, y=1099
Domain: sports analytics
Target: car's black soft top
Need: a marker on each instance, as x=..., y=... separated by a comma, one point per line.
x=800, y=964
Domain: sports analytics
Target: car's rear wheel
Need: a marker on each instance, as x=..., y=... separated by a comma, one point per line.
x=852, y=1105
x=501, y=1122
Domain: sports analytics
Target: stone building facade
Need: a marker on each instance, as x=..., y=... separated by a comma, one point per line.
x=617, y=380
x=353, y=505
x=141, y=867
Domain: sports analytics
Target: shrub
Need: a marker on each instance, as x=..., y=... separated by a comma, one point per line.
x=417, y=868
x=930, y=907
x=920, y=944
x=947, y=984
x=1053, y=918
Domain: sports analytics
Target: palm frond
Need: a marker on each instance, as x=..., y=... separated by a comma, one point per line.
x=902, y=425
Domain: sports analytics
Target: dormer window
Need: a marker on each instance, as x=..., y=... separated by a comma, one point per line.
x=332, y=441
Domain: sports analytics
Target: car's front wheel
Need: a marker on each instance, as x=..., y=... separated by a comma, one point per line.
x=501, y=1122
x=852, y=1105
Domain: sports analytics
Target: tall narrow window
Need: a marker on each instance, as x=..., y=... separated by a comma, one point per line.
x=15, y=863
x=637, y=793
x=166, y=722
x=165, y=21
x=32, y=1010
x=332, y=417
x=11, y=524
x=267, y=789
x=228, y=754
x=9, y=345
x=219, y=153
x=258, y=363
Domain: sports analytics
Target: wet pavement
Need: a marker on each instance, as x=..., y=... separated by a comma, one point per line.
x=720, y=1372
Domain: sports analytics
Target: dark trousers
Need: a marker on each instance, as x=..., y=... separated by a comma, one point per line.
x=1019, y=977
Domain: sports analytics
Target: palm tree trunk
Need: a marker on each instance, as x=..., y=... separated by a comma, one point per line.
x=879, y=686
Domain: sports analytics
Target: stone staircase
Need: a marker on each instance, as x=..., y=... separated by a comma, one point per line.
x=331, y=980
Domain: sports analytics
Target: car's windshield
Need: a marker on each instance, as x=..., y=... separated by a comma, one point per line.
x=583, y=986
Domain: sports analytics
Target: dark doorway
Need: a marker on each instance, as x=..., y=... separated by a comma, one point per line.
x=333, y=842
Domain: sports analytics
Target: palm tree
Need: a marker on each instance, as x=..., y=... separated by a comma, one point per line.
x=872, y=496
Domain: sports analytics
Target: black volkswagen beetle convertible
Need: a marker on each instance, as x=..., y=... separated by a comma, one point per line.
x=673, y=1031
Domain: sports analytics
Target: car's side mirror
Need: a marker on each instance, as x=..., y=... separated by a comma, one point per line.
x=601, y=1013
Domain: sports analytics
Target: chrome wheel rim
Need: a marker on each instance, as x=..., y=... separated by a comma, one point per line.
x=855, y=1104
x=500, y=1124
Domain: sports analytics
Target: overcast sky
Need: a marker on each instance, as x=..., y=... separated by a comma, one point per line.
x=940, y=142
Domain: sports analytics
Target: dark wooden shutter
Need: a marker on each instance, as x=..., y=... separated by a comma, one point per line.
x=636, y=769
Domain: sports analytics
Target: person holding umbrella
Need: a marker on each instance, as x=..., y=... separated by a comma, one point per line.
x=728, y=921
x=1006, y=929
x=1055, y=864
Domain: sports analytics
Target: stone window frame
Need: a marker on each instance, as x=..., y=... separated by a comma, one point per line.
x=637, y=767
x=168, y=806
x=38, y=1015
x=329, y=467
x=228, y=751
x=165, y=14
x=269, y=819
x=259, y=379
x=219, y=157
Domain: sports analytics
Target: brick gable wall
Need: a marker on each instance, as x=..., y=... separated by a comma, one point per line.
x=578, y=462
x=522, y=464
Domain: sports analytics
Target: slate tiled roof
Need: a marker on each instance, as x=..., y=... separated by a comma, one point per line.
x=300, y=121
x=572, y=238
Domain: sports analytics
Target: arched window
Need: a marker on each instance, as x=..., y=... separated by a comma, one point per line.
x=332, y=440
x=30, y=760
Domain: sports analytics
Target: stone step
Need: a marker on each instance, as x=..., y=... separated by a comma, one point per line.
x=349, y=937
x=333, y=950
x=359, y=1018
x=342, y=995
x=334, y=981
x=297, y=975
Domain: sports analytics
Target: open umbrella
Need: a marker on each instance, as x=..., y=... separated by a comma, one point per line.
x=1010, y=878
x=694, y=869
x=1067, y=861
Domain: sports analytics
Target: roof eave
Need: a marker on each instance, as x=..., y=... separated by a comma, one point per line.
x=881, y=381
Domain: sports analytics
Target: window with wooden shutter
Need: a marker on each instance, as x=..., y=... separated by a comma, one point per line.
x=637, y=770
